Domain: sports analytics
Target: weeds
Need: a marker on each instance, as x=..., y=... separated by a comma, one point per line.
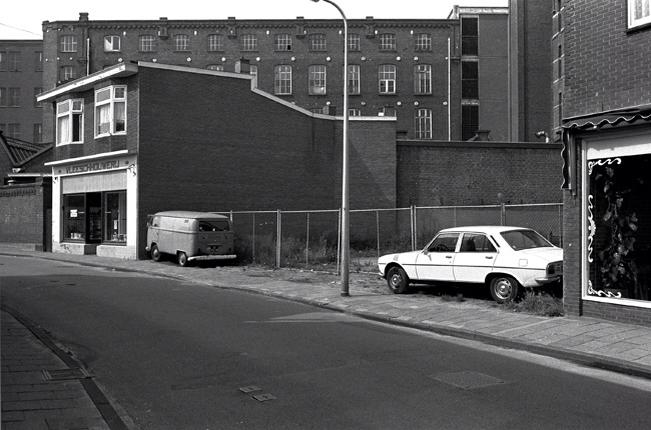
x=538, y=304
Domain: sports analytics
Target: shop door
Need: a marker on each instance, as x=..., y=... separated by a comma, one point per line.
x=94, y=218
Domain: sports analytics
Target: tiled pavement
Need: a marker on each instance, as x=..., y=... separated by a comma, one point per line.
x=615, y=346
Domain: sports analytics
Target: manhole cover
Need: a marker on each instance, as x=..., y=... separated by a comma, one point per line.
x=467, y=380
x=65, y=374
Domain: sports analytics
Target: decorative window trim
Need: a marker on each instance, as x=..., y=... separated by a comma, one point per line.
x=111, y=101
x=644, y=11
x=73, y=108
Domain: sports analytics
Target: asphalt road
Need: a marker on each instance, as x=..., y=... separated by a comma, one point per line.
x=176, y=355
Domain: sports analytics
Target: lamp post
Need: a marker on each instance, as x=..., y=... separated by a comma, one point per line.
x=345, y=235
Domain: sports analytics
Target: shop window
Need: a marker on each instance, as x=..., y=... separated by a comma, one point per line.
x=70, y=122
x=74, y=217
x=110, y=110
x=115, y=216
x=618, y=212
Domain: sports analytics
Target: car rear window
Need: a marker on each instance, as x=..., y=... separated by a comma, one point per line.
x=524, y=239
x=214, y=225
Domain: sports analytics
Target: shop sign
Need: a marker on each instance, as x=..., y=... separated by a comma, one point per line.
x=94, y=166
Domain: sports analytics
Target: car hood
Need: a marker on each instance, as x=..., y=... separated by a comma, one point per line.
x=543, y=255
x=400, y=257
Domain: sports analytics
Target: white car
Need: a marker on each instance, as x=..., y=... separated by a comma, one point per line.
x=503, y=258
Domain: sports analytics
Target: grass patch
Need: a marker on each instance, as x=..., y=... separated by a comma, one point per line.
x=537, y=304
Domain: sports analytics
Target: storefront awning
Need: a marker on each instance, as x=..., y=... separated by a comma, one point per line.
x=610, y=118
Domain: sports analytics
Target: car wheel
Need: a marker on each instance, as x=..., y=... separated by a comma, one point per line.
x=504, y=289
x=155, y=253
x=397, y=280
x=183, y=259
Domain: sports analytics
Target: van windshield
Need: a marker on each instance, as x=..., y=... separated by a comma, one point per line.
x=214, y=225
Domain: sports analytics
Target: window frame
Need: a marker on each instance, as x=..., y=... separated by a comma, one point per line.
x=215, y=42
x=423, y=42
x=318, y=42
x=281, y=71
x=13, y=97
x=283, y=42
x=181, y=43
x=68, y=43
x=388, y=42
x=385, y=80
x=110, y=40
x=111, y=101
x=354, y=42
x=249, y=42
x=67, y=72
x=70, y=113
x=147, y=41
x=215, y=67
x=423, y=123
x=14, y=60
x=354, y=79
x=423, y=79
x=317, y=74
x=643, y=20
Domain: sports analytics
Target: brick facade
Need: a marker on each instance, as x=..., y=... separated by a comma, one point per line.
x=25, y=210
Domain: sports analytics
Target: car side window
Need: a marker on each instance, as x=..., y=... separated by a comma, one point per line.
x=476, y=242
x=444, y=242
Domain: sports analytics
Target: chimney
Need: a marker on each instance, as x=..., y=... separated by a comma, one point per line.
x=243, y=66
x=83, y=16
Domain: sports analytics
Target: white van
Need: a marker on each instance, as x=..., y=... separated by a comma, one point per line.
x=190, y=236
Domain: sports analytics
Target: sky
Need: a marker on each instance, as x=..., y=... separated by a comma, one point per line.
x=21, y=19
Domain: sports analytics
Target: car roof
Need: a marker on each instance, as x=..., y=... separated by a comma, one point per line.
x=490, y=229
x=191, y=214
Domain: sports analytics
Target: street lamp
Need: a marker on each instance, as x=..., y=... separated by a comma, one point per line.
x=345, y=235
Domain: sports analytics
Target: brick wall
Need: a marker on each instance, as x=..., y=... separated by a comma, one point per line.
x=22, y=212
x=473, y=173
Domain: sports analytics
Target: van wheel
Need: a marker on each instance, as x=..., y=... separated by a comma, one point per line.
x=155, y=253
x=183, y=259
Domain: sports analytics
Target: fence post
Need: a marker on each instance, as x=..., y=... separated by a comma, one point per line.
x=307, y=239
x=253, y=239
x=279, y=232
x=502, y=214
x=338, y=239
x=377, y=231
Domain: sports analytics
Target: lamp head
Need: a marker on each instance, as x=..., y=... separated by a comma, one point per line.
x=315, y=1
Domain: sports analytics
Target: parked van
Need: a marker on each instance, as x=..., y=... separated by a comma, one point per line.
x=189, y=236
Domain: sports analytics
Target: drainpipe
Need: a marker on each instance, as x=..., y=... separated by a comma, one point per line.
x=449, y=93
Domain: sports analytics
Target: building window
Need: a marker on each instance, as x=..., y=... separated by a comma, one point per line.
x=147, y=43
x=115, y=216
x=422, y=79
x=353, y=42
x=67, y=73
x=249, y=42
x=110, y=110
x=354, y=112
x=181, y=42
x=253, y=71
x=559, y=62
x=283, y=42
x=470, y=79
x=70, y=122
x=111, y=43
x=68, y=43
x=38, y=61
x=423, y=42
x=74, y=217
x=215, y=67
x=423, y=123
x=317, y=79
x=387, y=79
x=387, y=111
x=13, y=61
x=13, y=130
x=318, y=42
x=469, y=36
x=215, y=42
x=387, y=42
x=354, y=85
x=469, y=121
x=4, y=97
x=38, y=133
x=37, y=91
x=283, y=80
x=14, y=97
x=639, y=12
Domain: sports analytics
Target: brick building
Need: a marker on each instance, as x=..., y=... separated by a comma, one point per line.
x=134, y=139
x=21, y=78
x=607, y=133
x=443, y=79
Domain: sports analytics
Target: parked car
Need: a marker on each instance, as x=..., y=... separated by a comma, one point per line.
x=190, y=236
x=503, y=258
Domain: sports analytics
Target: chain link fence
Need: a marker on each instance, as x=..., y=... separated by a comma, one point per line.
x=312, y=238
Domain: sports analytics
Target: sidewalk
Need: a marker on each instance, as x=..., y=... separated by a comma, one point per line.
x=624, y=348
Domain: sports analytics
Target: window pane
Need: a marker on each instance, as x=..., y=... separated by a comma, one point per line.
x=74, y=217
x=115, y=216
x=119, y=110
x=317, y=80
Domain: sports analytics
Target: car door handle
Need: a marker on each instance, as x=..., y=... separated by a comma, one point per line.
x=448, y=256
x=488, y=257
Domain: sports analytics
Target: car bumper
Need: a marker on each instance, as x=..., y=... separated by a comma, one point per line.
x=548, y=279
x=212, y=257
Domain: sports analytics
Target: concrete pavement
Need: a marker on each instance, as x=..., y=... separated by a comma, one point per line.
x=609, y=345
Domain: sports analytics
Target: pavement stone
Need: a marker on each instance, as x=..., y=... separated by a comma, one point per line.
x=616, y=346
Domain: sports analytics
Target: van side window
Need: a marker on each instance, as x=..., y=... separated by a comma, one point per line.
x=156, y=222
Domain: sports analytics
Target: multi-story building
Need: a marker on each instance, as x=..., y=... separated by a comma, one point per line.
x=606, y=120
x=443, y=79
x=21, y=66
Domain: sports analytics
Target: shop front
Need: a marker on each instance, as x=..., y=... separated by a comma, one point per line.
x=96, y=198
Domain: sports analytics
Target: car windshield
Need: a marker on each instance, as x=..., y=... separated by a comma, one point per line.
x=214, y=225
x=525, y=239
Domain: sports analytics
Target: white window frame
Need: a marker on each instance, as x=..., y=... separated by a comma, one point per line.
x=388, y=42
x=645, y=13
x=423, y=123
x=423, y=42
x=354, y=79
x=354, y=112
x=387, y=75
x=181, y=42
x=317, y=79
x=112, y=43
x=67, y=72
x=215, y=42
x=283, y=42
x=68, y=43
x=249, y=42
x=282, y=77
x=354, y=42
x=111, y=101
x=215, y=67
x=72, y=107
x=147, y=43
x=318, y=42
x=423, y=79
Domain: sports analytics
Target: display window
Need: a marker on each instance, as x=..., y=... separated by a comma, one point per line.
x=95, y=217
